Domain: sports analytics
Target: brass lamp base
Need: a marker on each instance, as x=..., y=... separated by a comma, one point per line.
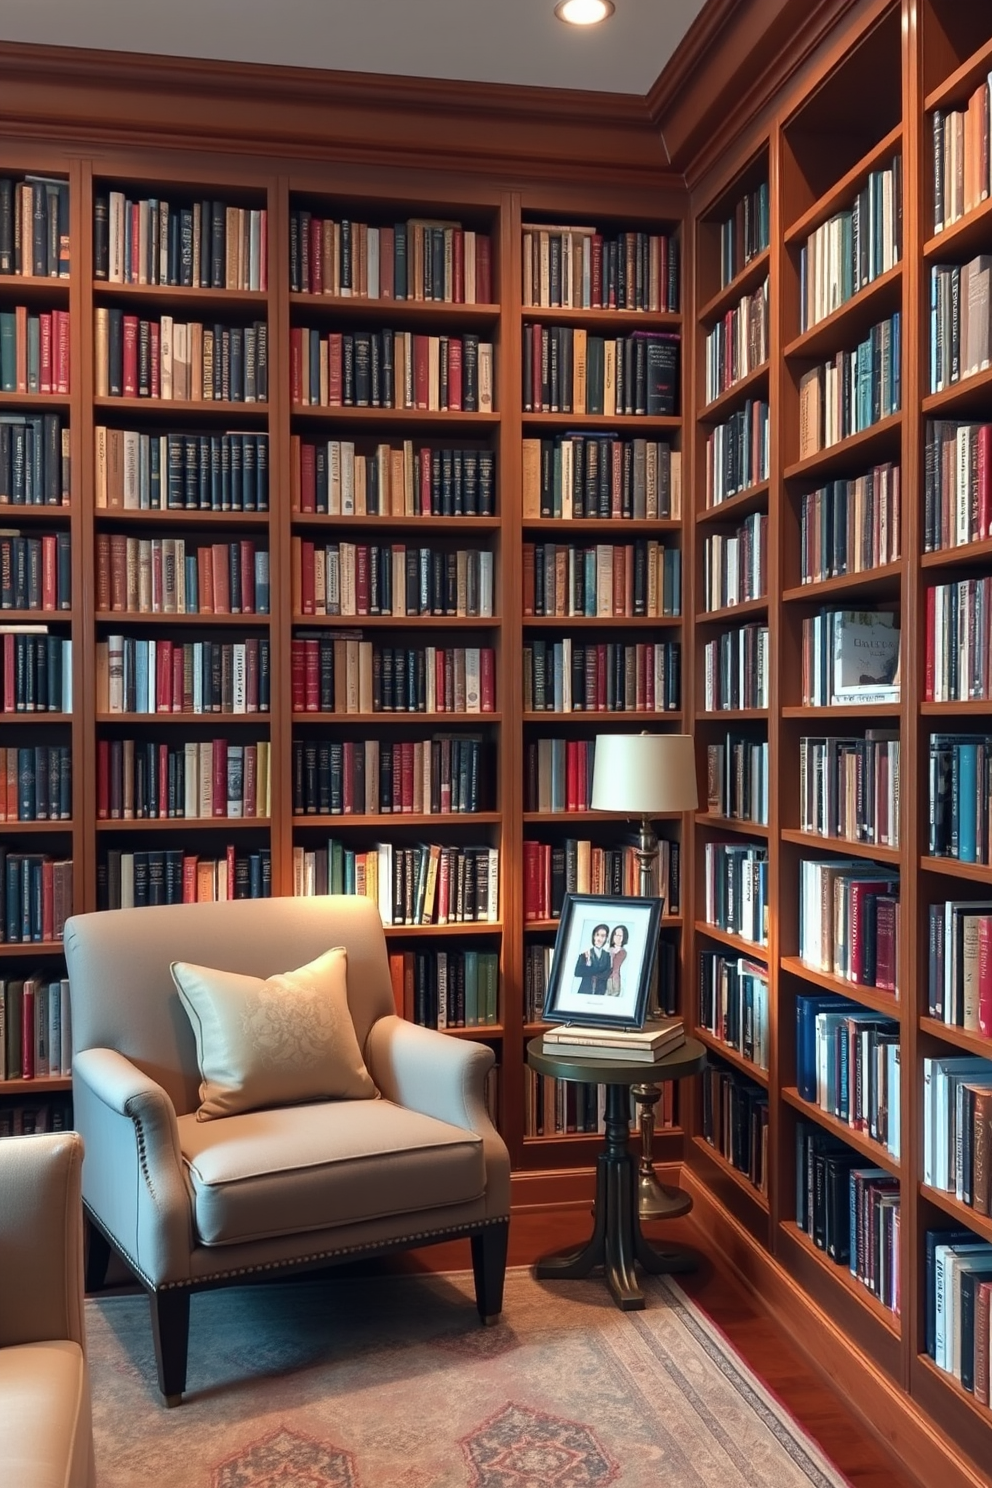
x=655, y=1200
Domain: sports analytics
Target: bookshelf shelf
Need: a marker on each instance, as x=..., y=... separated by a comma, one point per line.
x=181, y=824
x=963, y=1038
x=754, y=498
x=731, y=824
x=448, y=720
x=37, y=1085
x=974, y=707
x=35, y=515
x=668, y=922
x=131, y=618
x=33, y=828
x=960, y=1396
x=733, y=715
x=870, y=997
x=32, y=720
x=730, y=1054
x=850, y=321
x=428, y=420
x=185, y=720
x=956, y=86
x=36, y=289
x=639, y=527
x=619, y=422
x=967, y=553
x=841, y=1275
x=600, y=321
x=852, y=454
x=975, y=872
x=737, y=943
x=750, y=276
x=740, y=1179
x=965, y=399
x=745, y=387
x=840, y=193
x=400, y=819
x=159, y=408
x=609, y=716
x=841, y=845
x=746, y=610
x=963, y=1214
x=875, y=583
x=410, y=314
x=453, y=928
x=396, y=622
x=35, y=617
x=40, y=402
x=439, y=525
x=852, y=711
x=962, y=239
x=874, y=1151
x=592, y=622
x=174, y=517
x=16, y=948
x=603, y=817
x=177, y=296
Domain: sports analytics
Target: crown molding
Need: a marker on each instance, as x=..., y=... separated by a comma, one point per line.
x=498, y=131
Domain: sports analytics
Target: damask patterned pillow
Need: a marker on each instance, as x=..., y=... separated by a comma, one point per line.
x=276, y=1042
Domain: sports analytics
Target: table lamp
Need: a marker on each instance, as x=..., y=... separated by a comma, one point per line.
x=644, y=776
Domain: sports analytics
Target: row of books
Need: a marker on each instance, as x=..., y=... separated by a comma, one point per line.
x=140, y=780
x=538, y=961
x=960, y=780
x=852, y=248
x=579, y=866
x=737, y=453
x=391, y=369
x=601, y=475
x=135, y=675
x=853, y=391
x=960, y=321
x=733, y=1004
x=957, y=1128
x=569, y=677
x=174, y=360
x=850, y=656
x=958, y=1306
x=170, y=576
x=420, y=259
x=35, y=782
x=582, y=269
x=567, y=369
x=35, y=670
x=335, y=478
x=848, y=1064
x=735, y=1122
x=960, y=157
x=746, y=234
x=341, y=673
x=196, y=245
x=957, y=663
x=737, y=345
x=35, y=464
x=354, y=579
x=34, y=227
x=426, y=884
x=558, y=1108
x=181, y=471
x=735, y=889
x=27, y=1118
x=35, y=1027
x=34, y=351
x=736, y=669
x=448, y=774
x=735, y=565
x=849, y=920
x=957, y=502
x=125, y=880
x=737, y=784
x=446, y=989
x=35, y=572
x=558, y=774
x=606, y=579
x=959, y=969
x=849, y=787
x=848, y=526
x=35, y=896
x=849, y=1210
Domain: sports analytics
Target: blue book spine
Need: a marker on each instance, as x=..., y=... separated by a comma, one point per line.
x=966, y=800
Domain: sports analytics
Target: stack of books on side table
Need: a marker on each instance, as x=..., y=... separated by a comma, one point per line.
x=639, y=1045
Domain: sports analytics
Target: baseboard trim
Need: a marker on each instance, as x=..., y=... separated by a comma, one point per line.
x=885, y=1409
x=565, y=1188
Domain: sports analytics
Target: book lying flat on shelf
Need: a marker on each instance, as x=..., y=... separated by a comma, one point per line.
x=646, y=1045
x=866, y=656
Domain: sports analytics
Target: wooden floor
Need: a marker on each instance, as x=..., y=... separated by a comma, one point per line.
x=761, y=1342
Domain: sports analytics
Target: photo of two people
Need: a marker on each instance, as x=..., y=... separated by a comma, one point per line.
x=603, y=961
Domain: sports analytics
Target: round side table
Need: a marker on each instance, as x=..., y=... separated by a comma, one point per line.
x=616, y=1243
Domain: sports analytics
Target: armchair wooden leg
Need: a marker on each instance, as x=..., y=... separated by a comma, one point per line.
x=170, y=1331
x=97, y=1257
x=489, y=1268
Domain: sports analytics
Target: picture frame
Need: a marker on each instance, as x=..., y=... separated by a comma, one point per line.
x=602, y=979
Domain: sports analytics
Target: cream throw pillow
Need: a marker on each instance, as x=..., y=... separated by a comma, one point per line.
x=276, y=1042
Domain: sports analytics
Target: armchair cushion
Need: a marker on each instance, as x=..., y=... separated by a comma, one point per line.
x=352, y=1162
x=281, y=1041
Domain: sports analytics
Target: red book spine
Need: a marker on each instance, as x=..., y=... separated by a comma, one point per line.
x=297, y=675
x=9, y=674
x=220, y=777
x=311, y=677
x=296, y=364
x=984, y=476
x=440, y=695
x=308, y=478
x=483, y=270
x=572, y=775
x=45, y=354
x=454, y=373
x=361, y=579
x=406, y=777
x=27, y=1031
x=601, y=700
x=247, y=576
x=487, y=680
x=103, y=779
x=597, y=271
x=130, y=362
x=532, y=887
x=316, y=285
x=60, y=331
x=424, y=465
x=178, y=669
x=985, y=976
x=163, y=677
x=421, y=371
x=307, y=601
x=458, y=266
x=163, y=780
x=931, y=641
x=230, y=871
x=154, y=361
x=335, y=373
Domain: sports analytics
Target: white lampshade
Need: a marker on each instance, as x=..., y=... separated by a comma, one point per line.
x=644, y=774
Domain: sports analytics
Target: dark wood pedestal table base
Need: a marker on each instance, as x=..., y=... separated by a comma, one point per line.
x=617, y=1243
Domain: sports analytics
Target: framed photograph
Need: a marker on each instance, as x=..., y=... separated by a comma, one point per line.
x=603, y=961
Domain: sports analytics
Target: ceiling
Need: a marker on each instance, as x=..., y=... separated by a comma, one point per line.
x=491, y=41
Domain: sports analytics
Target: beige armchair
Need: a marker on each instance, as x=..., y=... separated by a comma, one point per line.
x=194, y=1204
x=45, y=1428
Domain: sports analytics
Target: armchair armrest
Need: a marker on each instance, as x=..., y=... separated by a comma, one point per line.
x=41, y=1239
x=443, y=1077
x=136, y=1188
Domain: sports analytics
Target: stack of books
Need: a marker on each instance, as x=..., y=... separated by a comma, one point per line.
x=639, y=1045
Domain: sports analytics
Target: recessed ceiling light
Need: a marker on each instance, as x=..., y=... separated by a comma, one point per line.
x=584, y=12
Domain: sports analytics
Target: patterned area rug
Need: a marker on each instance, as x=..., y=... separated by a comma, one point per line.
x=390, y=1382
